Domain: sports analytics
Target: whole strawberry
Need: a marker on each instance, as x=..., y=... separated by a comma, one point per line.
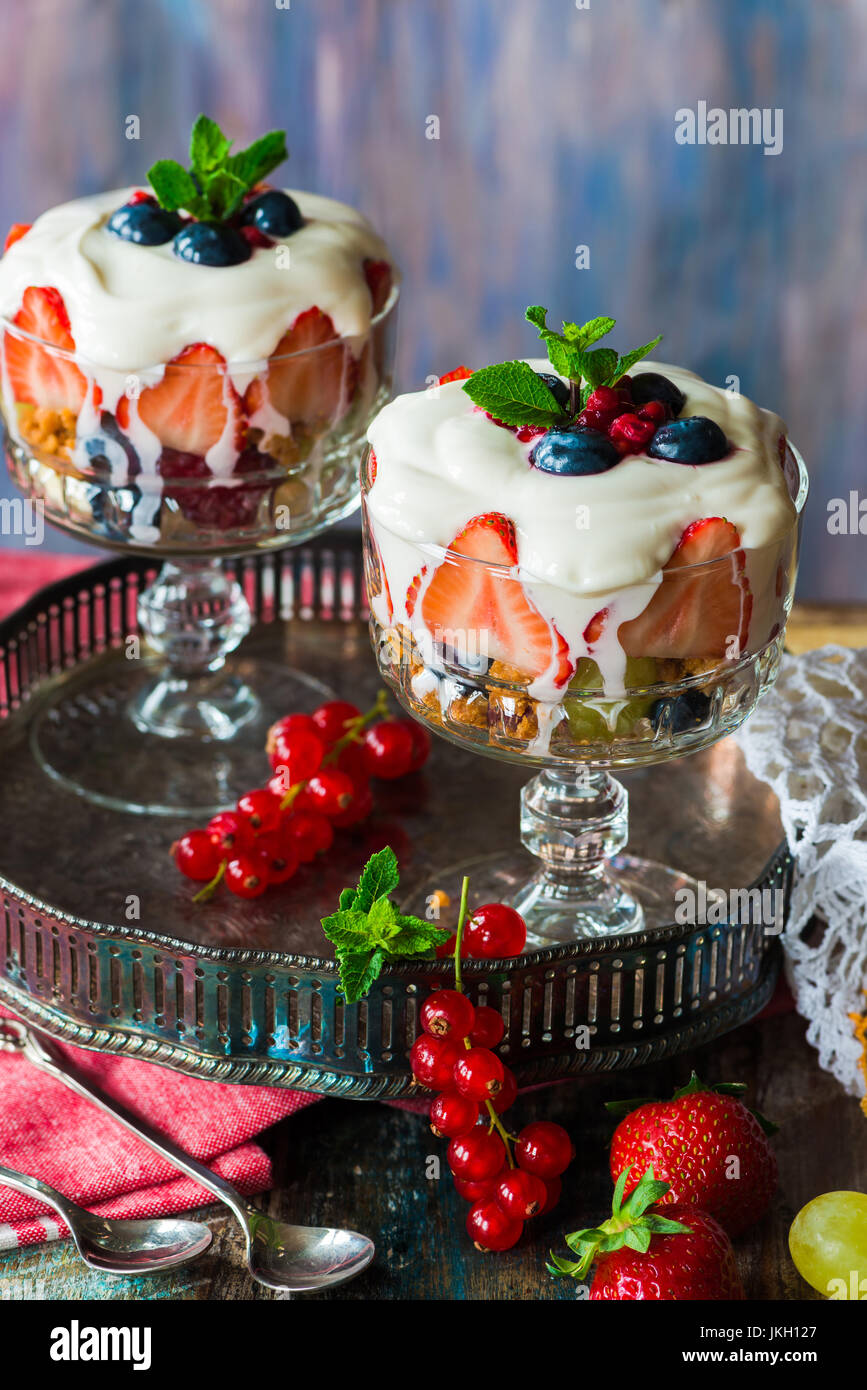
x=712, y=1151
x=641, y=1254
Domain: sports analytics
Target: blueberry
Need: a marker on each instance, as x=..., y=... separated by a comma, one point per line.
x=559, y=389
x=688, y=711
x=574, y=452
x=146, y=224
x=274, y=213
x=693, y=440
x=653, y=386
x=211, y=243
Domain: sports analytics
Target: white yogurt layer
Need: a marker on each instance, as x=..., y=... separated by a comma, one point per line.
x=132, y=307
x=584, y=543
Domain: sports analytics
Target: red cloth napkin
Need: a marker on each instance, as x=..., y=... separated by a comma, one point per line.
x=50, y=1133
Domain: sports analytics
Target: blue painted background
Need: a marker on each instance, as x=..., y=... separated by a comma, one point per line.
x=556, y=130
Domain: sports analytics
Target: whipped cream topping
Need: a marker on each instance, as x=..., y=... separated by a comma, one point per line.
x=584, y=542
x=132, y=307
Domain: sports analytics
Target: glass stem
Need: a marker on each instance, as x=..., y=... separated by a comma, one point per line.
x=193, y=616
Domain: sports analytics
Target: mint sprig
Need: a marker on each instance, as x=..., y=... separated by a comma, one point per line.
x=214, y=187
x=367, y=931
x=515, y=395
x=571, y=353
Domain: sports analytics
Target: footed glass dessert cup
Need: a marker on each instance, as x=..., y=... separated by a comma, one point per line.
x=570, y=727
x=187, y=462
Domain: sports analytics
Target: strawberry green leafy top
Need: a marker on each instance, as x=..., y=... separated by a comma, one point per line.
x=516, y=395
x=214, y=186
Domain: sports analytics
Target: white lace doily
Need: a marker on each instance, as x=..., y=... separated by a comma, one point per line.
x=808, y=740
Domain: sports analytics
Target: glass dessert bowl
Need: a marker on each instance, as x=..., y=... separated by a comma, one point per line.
x=499, y=643
x=190, y=381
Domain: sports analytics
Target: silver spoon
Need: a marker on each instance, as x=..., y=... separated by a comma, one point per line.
x=118, y=1247
x=293, y=1259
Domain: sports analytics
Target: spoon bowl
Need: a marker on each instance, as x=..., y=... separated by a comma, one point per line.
x=303, y=1259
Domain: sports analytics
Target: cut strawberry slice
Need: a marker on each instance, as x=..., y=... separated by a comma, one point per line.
x=459, y=374
x=189, y=409
x=378, y=277
x=489, y=613
x=38, y=376
x=313, y=388
x=15, y=233
x=696, y=613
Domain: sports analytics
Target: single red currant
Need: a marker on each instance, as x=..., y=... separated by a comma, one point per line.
x=358, y=809
x=488, y=1027
x=544, y=1148
x=309, y=833
x=489, y=1228
x=476, y=1155
x=421, y=743
x=447, y=1013
x=261, y=810
x=553, y=1188
x=389, y=749
x=329, y=792
x=521, y=1195
x=432, y=1061
x=292, y=723
x=494, y=931
x=277, y=855
x=479, y=1073
x=474, y=1191
x=298, y=754
x=507, y=1095
x=229, y=831
x=196, y=855
x=246, y=878
x=353, y=761
x=452, y=1114
x=332, y=718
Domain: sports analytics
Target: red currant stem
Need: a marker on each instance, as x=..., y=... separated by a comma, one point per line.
x=353, y=727
x=204, y=894
x=291, y=795
x=459, y=933
x=496, y=1122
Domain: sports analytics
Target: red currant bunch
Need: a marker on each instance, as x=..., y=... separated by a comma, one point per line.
x=507, y=1178
x=322, y=765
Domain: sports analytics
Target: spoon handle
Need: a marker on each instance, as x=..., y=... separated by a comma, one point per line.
x=41, y=1052
x=35, y=1187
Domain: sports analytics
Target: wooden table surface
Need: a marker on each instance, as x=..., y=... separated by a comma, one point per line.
x=373, y=1166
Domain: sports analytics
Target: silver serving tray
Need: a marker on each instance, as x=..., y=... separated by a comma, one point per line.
x=245, y=992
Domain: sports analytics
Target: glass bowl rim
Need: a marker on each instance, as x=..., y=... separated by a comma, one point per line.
x=256, y=364
x=442, y=553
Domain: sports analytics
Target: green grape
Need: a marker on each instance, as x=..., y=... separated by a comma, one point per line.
x=828, y=1243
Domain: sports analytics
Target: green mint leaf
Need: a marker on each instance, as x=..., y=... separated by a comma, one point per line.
x=358, y=970
x=379, y=877
x=584, y=335
x=382, y=922
x=565, y=358
x=175, y=188
x=513, y=393
x=599, y=366
x=256, y=162
x=348, y=929
x=346, y=899
x=225, y=193
x=537, y=316
x=208, y=146
x=414, y=937
x=626, y=363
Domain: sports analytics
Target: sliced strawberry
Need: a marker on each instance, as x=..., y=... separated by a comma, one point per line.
x=308, y=387
x=189, y=409
x=15, y=233
x=38, y=376
x=466, y=601
x=696, y=613
x=459, y=374
x=594, y=629
x=378, y=277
